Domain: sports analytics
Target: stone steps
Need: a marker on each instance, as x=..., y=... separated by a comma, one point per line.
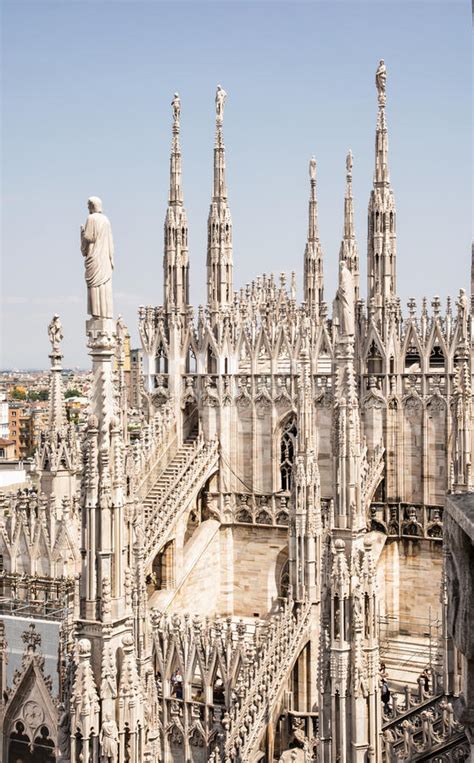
x=167, y=477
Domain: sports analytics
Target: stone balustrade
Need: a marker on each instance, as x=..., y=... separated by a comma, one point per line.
x=147, y=455
x=372, y=472
x=261, y=680
x=403, y=520
x=200, y=460
x=428, y=731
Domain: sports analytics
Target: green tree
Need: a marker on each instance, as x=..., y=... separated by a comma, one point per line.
x=17, y=394
x=72, y=393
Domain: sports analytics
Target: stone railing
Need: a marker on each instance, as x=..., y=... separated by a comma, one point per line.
x=148, y=455
x=261, y=680
x=403, y=520
x=253, y=509
x=372, y=473
x=201, y=458
x=423, y=733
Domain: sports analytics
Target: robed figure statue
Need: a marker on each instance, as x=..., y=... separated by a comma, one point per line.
x=345, y=301
x=98, y=249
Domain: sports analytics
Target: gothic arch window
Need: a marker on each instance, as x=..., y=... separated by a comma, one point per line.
x=374, y=360
x=437, y=359
x=161, y=361
x=287, y=453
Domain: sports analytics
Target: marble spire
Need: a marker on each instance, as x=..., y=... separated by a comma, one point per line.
x=176, y=258
x=348, y=251
x=57, y=409
x=219, y=240
x=313, y=256
x=57, y=457
x=382, y=250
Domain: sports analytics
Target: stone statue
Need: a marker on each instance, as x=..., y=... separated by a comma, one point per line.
x=109, y=740
x=221, y=95
x=381, y=80
x=176, y=104
x=345, y=300
x=64, y=739
x=463, y=307
x=98, y=249
x=312, y=169
x=55, y=333
x=349, y=162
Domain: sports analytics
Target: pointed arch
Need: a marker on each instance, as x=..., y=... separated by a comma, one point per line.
x=287, y=450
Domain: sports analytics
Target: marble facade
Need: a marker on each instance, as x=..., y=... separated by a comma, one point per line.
x=222, y=579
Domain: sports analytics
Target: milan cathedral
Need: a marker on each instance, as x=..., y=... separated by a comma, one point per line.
x=276, y=566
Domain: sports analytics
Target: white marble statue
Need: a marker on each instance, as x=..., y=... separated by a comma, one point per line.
x=463, y=309
x=98, y=249
x=55, y=333
x=176, y=104
x=345, y=301
x=349, y=162
x=109, y=740
x=381, y=80
x=221, y=95
x=312, y=168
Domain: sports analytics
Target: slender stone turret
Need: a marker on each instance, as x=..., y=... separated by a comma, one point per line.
x=313, y=255
x=57, y=457
x=382, y=250
x=176, y=259
x=305, y=535
x=105, y=626
x=219, y=238
x=349, y=251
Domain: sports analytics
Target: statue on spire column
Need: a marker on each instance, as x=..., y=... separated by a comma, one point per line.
x=221, y=95
x=312, y=169
x=349, y=163
x=98, y=250
x=55, y=333
x=345, y=301
x=176, y=104
x=381, y=81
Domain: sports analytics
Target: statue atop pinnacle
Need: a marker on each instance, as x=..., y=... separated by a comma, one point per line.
x=176, y=104
x=221, y=95
x=55, y=333
x=381, y=81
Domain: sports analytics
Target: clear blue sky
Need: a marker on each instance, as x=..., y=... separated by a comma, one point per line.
x=86, y=111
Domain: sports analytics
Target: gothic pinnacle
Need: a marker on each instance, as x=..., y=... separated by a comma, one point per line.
x=220, y=189
x=348, y=202
x=382, y=176
x=219, y=242
x=313, y=257
x=175, y=195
